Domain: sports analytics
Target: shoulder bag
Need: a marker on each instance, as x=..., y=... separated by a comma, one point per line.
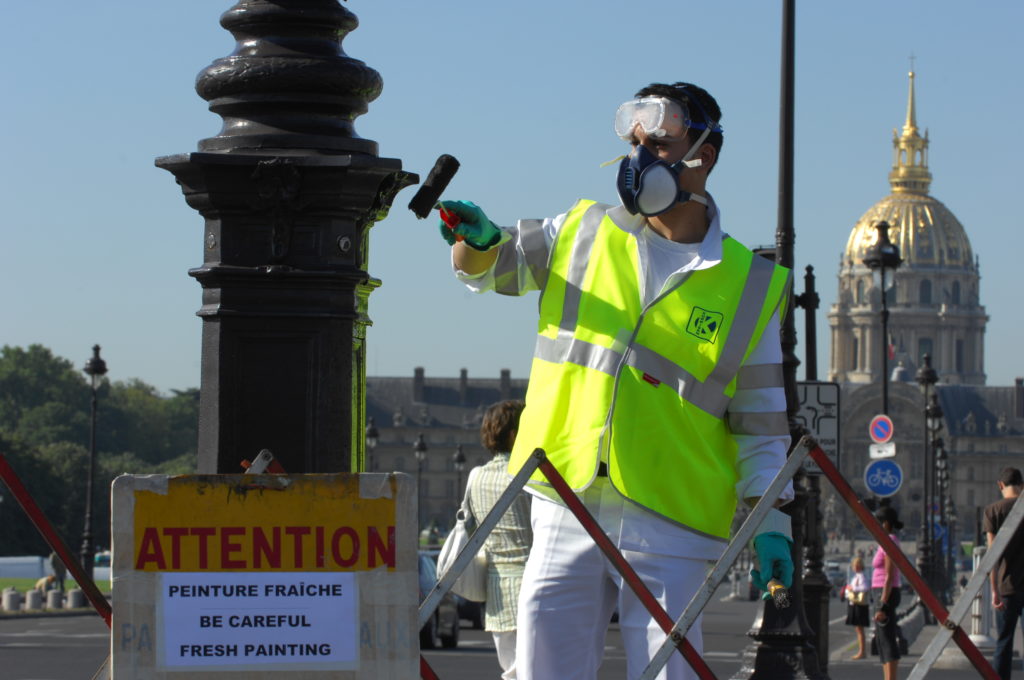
x=472, y=582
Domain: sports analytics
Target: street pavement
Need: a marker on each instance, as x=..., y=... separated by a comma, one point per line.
x=64, y=647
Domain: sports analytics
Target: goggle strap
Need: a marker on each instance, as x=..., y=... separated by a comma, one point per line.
x=696, y=145
x=685, y=196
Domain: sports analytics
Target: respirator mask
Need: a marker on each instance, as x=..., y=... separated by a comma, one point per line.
x=646, y=184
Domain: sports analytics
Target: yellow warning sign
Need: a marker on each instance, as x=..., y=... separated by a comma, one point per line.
x=316, y=523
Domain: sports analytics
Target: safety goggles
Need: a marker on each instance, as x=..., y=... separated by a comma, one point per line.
x=658, y=117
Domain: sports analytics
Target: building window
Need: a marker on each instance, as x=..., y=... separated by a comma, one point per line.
x=399, y=464
x=970, y=473
x=449, y=489
x=854, y=353
x=955, y=293
x=959, y=356
x=926, y=292
x=924, y=346
x=970, y=497
x=859, y=295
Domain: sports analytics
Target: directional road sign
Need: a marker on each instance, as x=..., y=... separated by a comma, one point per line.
x=880, y=429
x=819, y=413
x=883, y=477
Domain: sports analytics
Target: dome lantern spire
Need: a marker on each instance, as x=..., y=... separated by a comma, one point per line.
x=910, y=153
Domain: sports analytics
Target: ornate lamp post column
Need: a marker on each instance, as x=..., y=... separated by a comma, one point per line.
x=372, y=439
x=883, y=258
x=933, y=418
x=785, y=644
x=940, y=554
x=95, y=368
x=289, y=192
x=419, y=449
x=459, y=463
x=926, y=378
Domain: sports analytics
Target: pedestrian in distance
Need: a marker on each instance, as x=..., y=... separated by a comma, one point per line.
x=656, y=388
x=508, y=544
x=857, y=608
x=60, y=572
x=885, y=586
x=1007, y=579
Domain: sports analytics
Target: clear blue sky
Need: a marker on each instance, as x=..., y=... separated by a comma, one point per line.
x=97, y=241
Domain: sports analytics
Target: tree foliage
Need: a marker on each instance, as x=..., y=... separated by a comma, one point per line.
x=45, y=423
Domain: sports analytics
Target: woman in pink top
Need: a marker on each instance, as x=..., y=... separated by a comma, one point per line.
x=885, y=584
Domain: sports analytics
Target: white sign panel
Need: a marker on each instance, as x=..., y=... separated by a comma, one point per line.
x=886, y=450
x=298, y=620
x=819, y=413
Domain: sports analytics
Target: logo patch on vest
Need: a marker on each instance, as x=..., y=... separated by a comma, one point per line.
x=704, y=324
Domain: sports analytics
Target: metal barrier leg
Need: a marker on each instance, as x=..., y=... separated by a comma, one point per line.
x=724, y=564
x=906, y=568
x=476, y=541
x=978, y=580
x=38, y=518
x=625, y=570
x=426, y=672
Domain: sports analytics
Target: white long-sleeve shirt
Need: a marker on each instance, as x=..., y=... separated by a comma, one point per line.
x=759, y=457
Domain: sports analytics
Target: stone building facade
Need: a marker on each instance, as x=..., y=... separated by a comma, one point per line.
x=935, y=309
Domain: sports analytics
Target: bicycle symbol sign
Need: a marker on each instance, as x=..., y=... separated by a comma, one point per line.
x=883, y=477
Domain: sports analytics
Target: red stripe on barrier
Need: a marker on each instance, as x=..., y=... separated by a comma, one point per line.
x=50, y=535
x=906, y=568
x=426, y=672
x=625, y=570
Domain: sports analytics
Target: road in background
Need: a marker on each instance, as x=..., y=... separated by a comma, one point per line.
x=69, y=647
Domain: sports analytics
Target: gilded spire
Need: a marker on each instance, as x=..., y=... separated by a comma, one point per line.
x=910, y=153
x=910, y=126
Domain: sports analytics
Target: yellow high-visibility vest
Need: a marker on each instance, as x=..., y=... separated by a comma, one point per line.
x=648, y=388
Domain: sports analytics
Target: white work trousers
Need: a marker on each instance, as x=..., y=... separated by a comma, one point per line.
x=570, y=590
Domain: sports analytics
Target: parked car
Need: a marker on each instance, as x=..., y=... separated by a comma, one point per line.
x=836, y=575
x=471, y=611
x=442, y=629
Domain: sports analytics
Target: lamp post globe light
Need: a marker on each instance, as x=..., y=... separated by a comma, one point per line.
x=926, y=377
x=459, y=463
x=419, y=449
x=95, y=368
x=372, y=439
x=882, y=259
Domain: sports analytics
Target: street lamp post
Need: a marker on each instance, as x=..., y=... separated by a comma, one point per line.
x=459, y=463
x=372, y=439
x=95, y=368
x=419, y=449
x=926, y=378
x=883, y=256
x=933, y=420
x=942, y=486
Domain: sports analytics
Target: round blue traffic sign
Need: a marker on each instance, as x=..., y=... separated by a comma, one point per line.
x=880, y=429
x=883, y=477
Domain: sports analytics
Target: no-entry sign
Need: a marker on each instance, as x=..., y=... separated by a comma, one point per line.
x=880, y=429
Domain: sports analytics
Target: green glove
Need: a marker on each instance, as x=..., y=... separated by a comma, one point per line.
x=774, y=559
x=478, y=231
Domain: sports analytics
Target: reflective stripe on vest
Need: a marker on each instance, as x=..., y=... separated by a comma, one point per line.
x=535, y=255
x=652, y=385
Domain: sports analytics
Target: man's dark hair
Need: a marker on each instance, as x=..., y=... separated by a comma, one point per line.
x=501, y=421
x=698, y=102
x=1011, y=477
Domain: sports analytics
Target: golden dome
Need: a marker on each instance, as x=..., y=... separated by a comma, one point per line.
x=927, y=233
